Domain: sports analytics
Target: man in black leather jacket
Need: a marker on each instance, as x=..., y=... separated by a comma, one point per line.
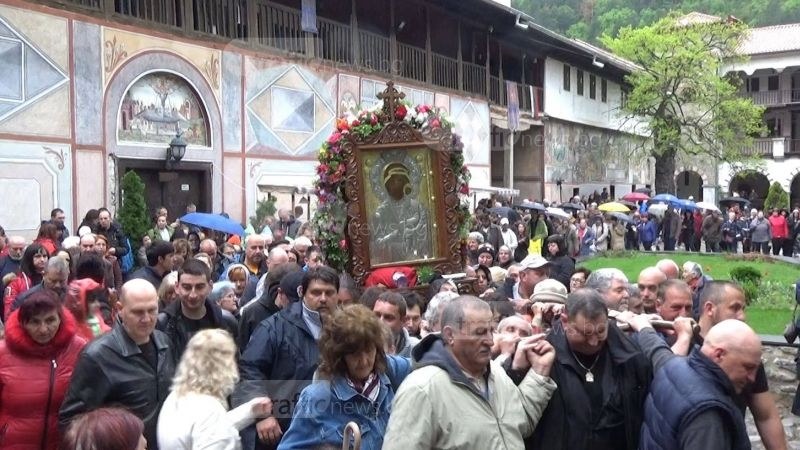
x=132, y=366
x=193, y=311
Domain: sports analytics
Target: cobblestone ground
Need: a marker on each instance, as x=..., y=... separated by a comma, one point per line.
x=780, y=366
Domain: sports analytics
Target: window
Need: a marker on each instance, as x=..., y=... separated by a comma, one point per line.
x=592, y=87
x=754, y=84
x=579, y=75
x=773, y=127
x=603, y=90
x=772, y=83
x=567, y=77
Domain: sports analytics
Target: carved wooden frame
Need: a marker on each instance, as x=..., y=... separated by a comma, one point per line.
x=399, y=135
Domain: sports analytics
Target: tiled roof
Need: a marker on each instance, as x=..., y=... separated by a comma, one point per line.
x=697, y=17
x=774, y=39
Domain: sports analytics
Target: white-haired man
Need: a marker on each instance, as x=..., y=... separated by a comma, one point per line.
x=612, y=285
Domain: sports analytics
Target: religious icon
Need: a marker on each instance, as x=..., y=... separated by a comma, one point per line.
x=399, y=206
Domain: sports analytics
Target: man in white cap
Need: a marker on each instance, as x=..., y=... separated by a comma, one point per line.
x=509, y=236
x=534, y=269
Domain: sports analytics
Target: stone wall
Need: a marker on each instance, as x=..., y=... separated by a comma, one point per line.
x=780, y=367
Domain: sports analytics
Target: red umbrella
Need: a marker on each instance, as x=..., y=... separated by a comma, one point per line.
x=636, y=197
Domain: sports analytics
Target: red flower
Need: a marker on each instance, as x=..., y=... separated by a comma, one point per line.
x=373, y=120
x=322, y=168
x=464, y=189
x=334, y=138
x=435, y=123
x=354, y=123
x=341, y=125
x=343, y=244
x=400, y=112
x=423, y=108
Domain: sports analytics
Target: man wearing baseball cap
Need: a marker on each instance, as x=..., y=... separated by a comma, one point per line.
x=534, y=269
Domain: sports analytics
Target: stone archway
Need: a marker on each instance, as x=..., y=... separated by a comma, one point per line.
x=751, y=185
x=794, y=192
x=689, y=184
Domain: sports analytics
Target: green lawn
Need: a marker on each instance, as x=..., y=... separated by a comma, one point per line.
x=767, y=319
x=715, y=266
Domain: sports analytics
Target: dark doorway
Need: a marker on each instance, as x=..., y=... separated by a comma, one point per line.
x=689, y=184
x=175, y=188
x=751, y=185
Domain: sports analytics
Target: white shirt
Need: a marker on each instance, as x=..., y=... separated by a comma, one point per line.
x=509, y=239
x=201, y=422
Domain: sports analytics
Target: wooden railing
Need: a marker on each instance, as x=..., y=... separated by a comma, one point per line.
x=166, y=12
x=269, y=24
x=474, y=78
x=792, y=147
x=279, y=27
x=412, y=62
x=445, y=71
x=334, y=41
x=775, y=98
x=760, y=147
x=373, y=51
x=91, y=4
x=221, y=17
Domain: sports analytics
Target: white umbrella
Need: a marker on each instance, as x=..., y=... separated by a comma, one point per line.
x=657, y=209
x=707, y=205
x=558, y=212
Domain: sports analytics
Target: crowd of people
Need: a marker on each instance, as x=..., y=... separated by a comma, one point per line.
x=222, y=342
x=735, y=228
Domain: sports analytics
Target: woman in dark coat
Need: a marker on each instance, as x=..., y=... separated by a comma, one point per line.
x=561, y=265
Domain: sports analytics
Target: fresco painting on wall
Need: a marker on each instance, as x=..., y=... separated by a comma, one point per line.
x=159, y=105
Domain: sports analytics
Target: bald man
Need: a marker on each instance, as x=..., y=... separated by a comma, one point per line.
x=650, y=278
x=669, y=268
x=10, y=263
x=132, y=366
x=692, y=400
x=276, y=257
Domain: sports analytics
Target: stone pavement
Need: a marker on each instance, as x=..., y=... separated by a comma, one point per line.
x=780, y=367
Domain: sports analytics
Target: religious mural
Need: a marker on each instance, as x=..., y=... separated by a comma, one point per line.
x=157, y=107
x=398, y=190
x=577, y=154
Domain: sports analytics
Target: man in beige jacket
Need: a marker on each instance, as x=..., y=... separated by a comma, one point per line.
x=458, y=398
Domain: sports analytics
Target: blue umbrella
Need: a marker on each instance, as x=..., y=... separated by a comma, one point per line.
x=532, y=206
x=685, y=204
x=668, y=198
x=213, y=222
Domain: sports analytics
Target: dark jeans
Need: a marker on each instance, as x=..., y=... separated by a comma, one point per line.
x=761, y=247
x=696, y=244
x=712, y=246
x=777, y=245
x=669, y=244
x=788, y=247
x=647, y=246
x=746, y=244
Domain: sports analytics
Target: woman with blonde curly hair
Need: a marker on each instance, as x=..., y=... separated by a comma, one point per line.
x=357, y=384
x=195, y=414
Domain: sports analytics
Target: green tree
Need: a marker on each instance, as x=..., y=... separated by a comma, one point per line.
x=776, y=197
x=133, y=214
x=678, y=96
x=265, y=208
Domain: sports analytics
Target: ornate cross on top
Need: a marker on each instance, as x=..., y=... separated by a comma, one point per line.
x=391, y=99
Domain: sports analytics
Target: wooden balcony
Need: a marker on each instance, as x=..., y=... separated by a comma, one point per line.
x=774, y=98
x=761, y=147
x=267, y=24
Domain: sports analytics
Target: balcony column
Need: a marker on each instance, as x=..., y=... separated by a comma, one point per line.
x=460, y=60
x=428, y=50
x=778, y=148
x=488, y=73
x=354, y=34
x=393, y=58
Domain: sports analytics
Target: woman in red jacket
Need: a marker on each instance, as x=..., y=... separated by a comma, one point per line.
x=31, y=270
x=780, y=231
x=37, y=358
x=48, y=236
